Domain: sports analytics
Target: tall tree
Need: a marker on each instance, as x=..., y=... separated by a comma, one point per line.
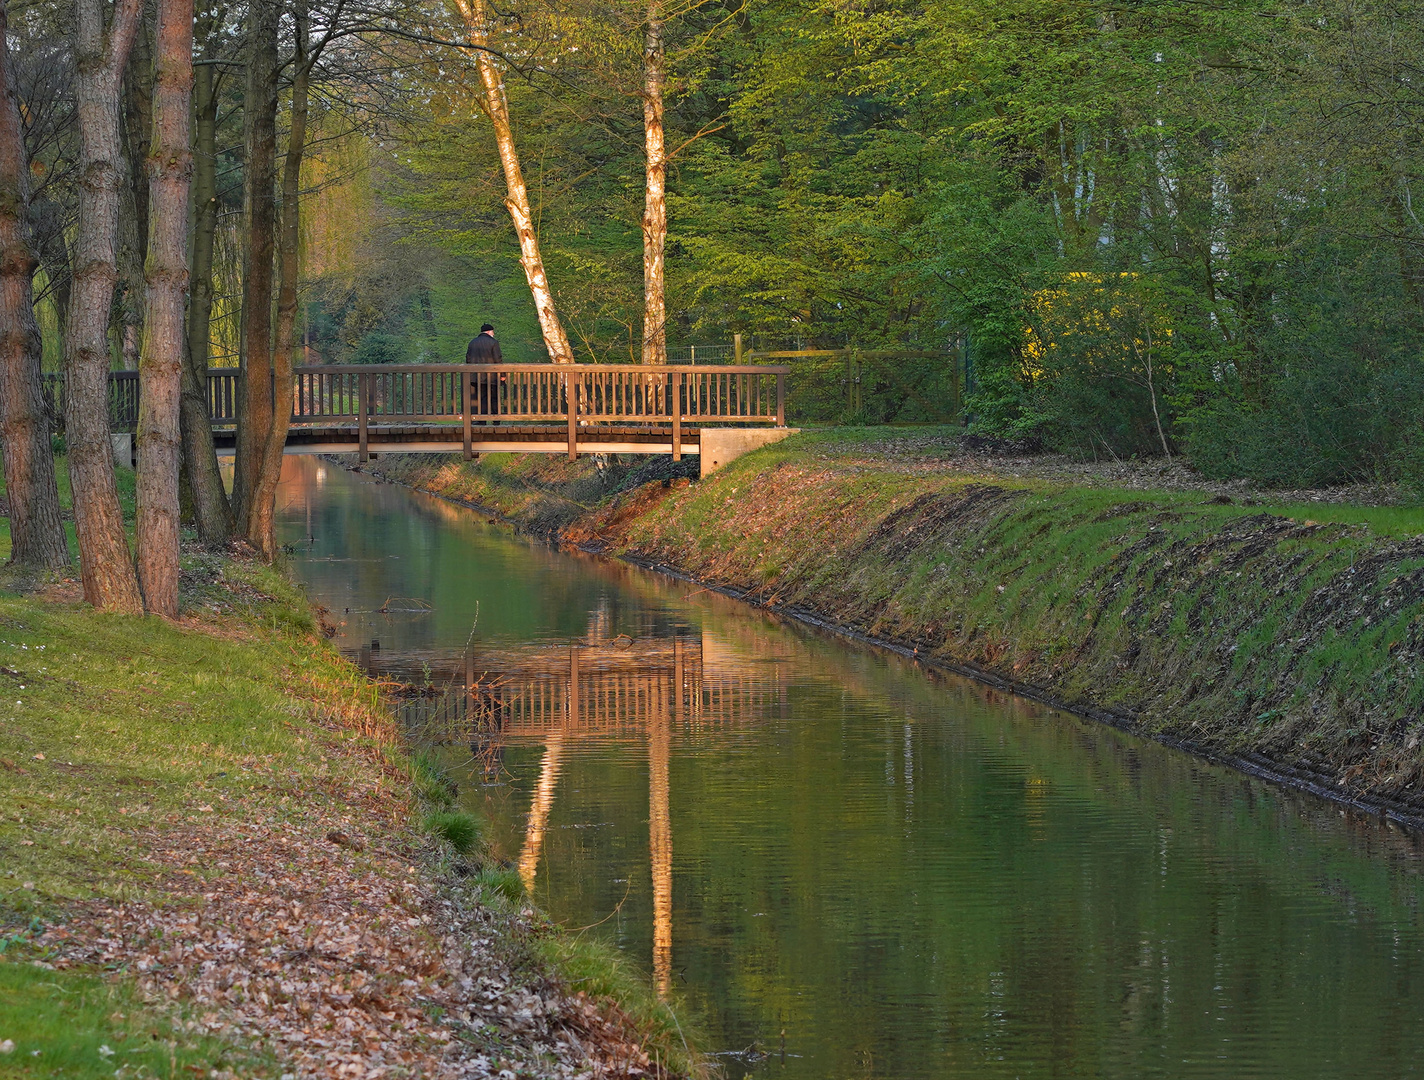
x=254, y=407
x=495, y=104
x=210, y=502
x=101, y=53
x=170, y=169
x=655, y=191
x=36, y=532
x=261, y=527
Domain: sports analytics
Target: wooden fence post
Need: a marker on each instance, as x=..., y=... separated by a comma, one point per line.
x=572, y=407
x=676, y=382
x=781, y=399
x=736, y=348
x=466, y=378
x=362, y=389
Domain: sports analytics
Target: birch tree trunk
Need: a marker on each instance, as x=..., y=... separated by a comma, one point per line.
x=655, y=199
x=259, y=121
x=210, y=504
x=36, y=532
x=495, y=104
x=100, y=56
x=261, y=526
x=170, y=170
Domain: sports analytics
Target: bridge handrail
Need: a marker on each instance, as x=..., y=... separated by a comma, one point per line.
x=646, y=369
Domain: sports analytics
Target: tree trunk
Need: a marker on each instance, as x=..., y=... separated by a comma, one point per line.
x=107, y=572
x=655, y=200
x=36, y=532
x=133, y=209
x=496, y=106
x=211, y=508
x=259, y=121
x=261, y=526
x=170, y=169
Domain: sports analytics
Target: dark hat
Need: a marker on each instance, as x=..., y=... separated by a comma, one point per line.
x=486, y=327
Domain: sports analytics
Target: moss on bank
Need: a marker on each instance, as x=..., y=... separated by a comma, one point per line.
x=1288, y=638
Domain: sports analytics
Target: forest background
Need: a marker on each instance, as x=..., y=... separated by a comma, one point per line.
x=1165, y=227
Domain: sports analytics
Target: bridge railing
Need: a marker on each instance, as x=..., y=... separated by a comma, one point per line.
x=540, y=393
x=468, y=394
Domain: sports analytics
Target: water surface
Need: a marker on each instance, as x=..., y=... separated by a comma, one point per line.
x=844, y=865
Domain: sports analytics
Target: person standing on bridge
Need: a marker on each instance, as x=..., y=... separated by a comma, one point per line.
x=484, y=349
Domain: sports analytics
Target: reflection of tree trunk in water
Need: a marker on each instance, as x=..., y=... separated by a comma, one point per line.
x=548, y=780
x=660, y=843
x=539, y=811
x=495, y=104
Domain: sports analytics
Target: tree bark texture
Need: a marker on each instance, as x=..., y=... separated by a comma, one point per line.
x=211, y=508
x=261, y=525
x=100, y=56
x=655, y=199
x=134, y=205
x=170, y=170
x=496, y=106
x=36, y=531
x=259, y=120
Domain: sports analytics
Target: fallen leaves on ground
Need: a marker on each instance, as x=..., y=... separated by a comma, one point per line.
x=345, y=960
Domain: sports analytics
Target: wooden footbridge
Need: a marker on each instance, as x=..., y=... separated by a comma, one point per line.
x=522, y=408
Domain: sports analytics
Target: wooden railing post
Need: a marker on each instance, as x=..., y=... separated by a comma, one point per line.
x=363, y=387
x=676, y=382
x=780, y=399
x=572, y=405
x=466, y=407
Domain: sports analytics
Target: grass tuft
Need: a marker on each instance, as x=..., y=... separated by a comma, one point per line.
x=457, y=828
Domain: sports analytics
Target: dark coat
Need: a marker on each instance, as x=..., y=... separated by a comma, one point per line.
x=484, y=349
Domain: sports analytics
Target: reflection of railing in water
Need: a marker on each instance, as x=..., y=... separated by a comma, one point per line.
x=654, y=688
x=522, y=693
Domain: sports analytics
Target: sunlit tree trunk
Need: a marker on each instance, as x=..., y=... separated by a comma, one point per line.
x=655, y=200
x=210, y=503
x=135, y=129
x=100, y=55
x=170, y=170
x=496, y=106
x=261, y=529
x=36, y=532
x=254, y=407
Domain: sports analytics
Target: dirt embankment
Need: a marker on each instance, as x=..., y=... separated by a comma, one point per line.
x=1259, y=636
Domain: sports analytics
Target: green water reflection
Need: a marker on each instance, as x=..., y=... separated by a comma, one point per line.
x=909, y=875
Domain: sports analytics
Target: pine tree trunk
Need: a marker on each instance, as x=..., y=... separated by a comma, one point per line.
x=261, y=527
x=655, y=200
x=211, y=508
x=259, y=119
x=170, y=170
x=36, y=532
x=496, y=106
x=107, y=572
x=135, y=130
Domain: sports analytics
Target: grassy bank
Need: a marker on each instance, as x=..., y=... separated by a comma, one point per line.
x=217, y=858
x=1284, y=637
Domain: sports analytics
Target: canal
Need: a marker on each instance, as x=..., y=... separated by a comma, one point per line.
x=840, y=864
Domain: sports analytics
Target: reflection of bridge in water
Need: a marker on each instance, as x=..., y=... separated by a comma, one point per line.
x=621, y=688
